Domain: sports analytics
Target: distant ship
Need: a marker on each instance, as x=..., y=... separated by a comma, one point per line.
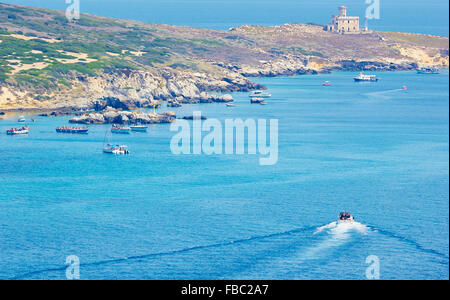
x=363, y=77
x=260, y=94
x=428, y=71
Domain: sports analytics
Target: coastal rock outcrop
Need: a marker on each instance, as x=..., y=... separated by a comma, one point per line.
x=111, y=115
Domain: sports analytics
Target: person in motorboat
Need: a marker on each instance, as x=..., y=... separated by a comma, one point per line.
x=345, y=216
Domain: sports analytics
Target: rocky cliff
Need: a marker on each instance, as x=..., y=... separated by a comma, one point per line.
x=47, y=62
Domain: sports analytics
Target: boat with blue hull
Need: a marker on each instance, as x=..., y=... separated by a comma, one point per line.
x=67, y=129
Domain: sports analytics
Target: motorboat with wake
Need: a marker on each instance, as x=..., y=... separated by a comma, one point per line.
x=345, y=217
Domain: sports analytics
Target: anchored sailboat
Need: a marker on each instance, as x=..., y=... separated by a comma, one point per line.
x=110, y=148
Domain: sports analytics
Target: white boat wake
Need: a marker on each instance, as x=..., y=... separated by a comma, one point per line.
x=338, y=234
x=383, y=94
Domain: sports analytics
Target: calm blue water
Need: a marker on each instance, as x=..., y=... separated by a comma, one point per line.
x=372, y=149
x=430, y=17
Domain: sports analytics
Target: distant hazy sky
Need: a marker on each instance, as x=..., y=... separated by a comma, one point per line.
x=430, y=16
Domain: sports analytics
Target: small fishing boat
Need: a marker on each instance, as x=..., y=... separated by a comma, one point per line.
x=17, y=131
x=260, y=94
x=424, y=70
x=345, y=217
x=67, y=129
x=139, y=128
x=120, y=129
x=230, y=105
x=404, y=88
x=326, y=83
x=115, y=149
x=21, y=119
x=263, y=103
x=368, y=78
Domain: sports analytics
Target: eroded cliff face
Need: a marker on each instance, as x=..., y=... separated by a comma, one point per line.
x=133, y=89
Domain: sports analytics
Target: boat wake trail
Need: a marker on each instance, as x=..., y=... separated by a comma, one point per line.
x=384, y=94
x=337, y=235
x=167, y=253
x=411, y=242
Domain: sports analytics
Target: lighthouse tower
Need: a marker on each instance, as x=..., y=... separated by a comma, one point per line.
x=342, y=11
x=344, y=24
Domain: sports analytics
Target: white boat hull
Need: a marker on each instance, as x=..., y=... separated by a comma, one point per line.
x=139, y=129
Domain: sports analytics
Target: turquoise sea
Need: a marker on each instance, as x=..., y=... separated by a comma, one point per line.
x=373, y=149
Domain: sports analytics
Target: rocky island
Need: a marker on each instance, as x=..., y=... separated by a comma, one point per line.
x=112, y=65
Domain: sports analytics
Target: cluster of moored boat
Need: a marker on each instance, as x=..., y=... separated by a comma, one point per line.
x=258, y=97
x=127, y=129
x=107, y=148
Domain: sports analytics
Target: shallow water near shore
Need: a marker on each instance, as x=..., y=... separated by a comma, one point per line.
x=372, y=149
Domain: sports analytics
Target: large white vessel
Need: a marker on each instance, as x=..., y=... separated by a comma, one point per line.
x=363, y=77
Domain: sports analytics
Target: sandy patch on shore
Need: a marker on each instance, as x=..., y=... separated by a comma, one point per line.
x=27, y=38
x=79, y=57
x=21, y=67
x=35, y=52
x=137, y=53
x=113, y=54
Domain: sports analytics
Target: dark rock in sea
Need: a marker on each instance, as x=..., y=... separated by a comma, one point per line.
x=196, y=118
